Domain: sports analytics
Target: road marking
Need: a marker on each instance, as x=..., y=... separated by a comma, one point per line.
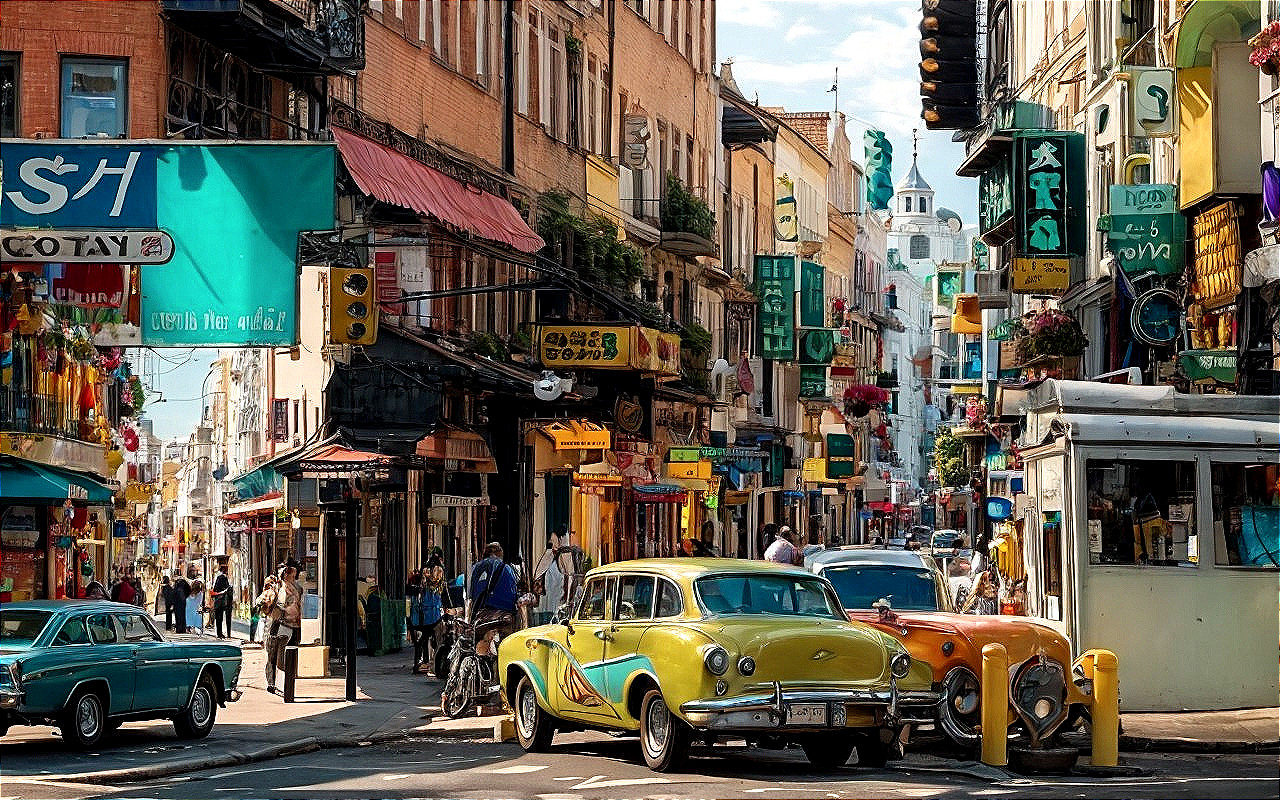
x=517, y=769
x=597, y=782
x=395, y=777
x=568, y=778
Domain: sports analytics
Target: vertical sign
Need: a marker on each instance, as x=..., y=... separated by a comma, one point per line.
x=786, y=221
x=280, y=420
x=812, y=301
x=995, y=195
x=1050, y=174
x=775, y=287
x=635, y=141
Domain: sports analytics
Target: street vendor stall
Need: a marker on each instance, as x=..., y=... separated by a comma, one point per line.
x=1152, y=531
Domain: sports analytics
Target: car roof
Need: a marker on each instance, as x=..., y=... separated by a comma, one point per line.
x=872, y=556
x=690, y=568
x=67, y=605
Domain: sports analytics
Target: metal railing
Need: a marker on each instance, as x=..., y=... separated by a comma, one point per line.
x=23, y=412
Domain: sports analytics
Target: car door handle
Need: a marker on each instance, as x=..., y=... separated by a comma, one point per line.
x=603, y=636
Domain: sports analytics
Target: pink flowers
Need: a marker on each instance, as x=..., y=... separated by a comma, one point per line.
x=1266, y=48
x=866, y=393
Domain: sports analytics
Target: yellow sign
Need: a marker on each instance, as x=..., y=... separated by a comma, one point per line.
x=1040, y=275
x=585, y=346
x=654, y=351
x=573, y=434
x=697, y=470
x=815, y=470
x=139, y=492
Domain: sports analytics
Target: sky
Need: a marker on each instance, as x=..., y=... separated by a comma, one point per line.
x=788, y=51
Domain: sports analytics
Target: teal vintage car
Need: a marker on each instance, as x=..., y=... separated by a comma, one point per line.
x=87, y=667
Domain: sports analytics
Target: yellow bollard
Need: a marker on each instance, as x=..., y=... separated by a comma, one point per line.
x=1106, y=709
x=995, y=705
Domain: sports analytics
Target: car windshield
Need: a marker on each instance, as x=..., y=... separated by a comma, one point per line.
x=906, y=588
x=786, y=595
x=20, y=627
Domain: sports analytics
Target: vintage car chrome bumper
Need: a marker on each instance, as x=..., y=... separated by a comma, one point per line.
x=10, y=698
x=769, y=711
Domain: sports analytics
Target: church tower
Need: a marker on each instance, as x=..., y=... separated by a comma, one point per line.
x=913, y=197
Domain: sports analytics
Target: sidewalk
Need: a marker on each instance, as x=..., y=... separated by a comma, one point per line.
x=395, y=704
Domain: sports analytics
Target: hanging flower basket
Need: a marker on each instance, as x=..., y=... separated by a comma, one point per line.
x=1266, y=49
x=1050, y=333
x=860, y=398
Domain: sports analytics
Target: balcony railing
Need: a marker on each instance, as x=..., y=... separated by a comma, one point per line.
x=319, y=37
x=23, y=412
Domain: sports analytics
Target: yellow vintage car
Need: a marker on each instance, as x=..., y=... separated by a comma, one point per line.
x=684, y=650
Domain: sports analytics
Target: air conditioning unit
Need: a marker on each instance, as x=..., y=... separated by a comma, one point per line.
x=992, y=288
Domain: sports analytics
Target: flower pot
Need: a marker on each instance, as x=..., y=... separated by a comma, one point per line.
x=1269, y=67
x=857, y=408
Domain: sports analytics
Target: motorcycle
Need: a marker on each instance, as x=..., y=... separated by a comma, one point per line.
x=472, y=677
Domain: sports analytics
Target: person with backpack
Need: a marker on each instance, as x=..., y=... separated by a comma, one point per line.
x=494, y=590
x=427, y=597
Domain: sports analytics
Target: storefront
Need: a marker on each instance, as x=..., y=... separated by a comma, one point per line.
x=1151, y=528
x=54, y=531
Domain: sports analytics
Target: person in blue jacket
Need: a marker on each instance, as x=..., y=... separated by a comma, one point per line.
x=493, y=594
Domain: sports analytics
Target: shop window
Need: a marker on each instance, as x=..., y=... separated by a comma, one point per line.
x=1142, y=513
x=95, y=98
x=9, y=94
x=635, y=598
x=1246, y=515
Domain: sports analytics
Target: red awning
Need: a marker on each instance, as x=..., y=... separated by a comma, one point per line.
x=395, y=178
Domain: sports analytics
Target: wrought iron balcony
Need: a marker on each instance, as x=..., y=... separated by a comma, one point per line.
x=317, y=37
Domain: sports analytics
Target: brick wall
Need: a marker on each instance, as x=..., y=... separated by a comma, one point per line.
x=43, y=32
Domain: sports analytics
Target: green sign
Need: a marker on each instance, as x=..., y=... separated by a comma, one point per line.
x=731, y=453
x=1147, y=233
x=981, y=255
x=1050, y=171
x=813, y=310
x=817, y=346
x=1201, y=365
x=995, y=195
x=683, y=455
x=949, y=285
x=813, y=381
x=1003, y=331
x=840, y=463
x=775, y=287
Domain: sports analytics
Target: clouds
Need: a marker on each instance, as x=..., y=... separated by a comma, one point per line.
x=799, y=30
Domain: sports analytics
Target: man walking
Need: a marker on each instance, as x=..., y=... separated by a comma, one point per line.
x=178, y=602
x=166, y=597
x=221, y=593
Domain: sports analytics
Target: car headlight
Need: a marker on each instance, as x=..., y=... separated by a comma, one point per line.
x=716, y=660
x=962, y=691
x=900, y=665
x=1040, y=694
x=747, y=665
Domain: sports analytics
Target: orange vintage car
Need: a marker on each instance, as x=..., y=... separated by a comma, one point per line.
x=904, y=593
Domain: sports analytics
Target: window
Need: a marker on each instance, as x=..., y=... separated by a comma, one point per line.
x=1246, y=516
x=635, y=598
x=924, y=206
x=906, y=588
x=1142, y=512
x=137, y=629
x=102, y=629
x=670, y=602
x=906, y=204
x=22, y=626
x=9, y=94
x=94, y=98
x=73, y=632
x=919, y=244
x=593, y=600
x=766, y=594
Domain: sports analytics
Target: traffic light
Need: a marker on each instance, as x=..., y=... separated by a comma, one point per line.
x=353, y=313
x=949, y=64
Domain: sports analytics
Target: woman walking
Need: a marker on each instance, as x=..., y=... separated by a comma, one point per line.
x=262, y=606
x=195, y=608
x=286, y=630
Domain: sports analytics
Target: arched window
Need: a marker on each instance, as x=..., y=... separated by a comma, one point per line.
x=907, y=202
x=924, y=206
x=919, y=246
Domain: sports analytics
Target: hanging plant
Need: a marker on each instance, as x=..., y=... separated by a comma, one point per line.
x=1266, y=49
x=1050, y=333
x=860, y=398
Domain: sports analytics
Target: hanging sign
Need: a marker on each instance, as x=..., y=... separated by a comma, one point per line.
x=456, y=501
x=1040, y=275
x=1146, y=231
x=813, y=309
x=589, y=346
x=1050, y=178
x=86, y=245
x=1151, y=96
x=775, y=286
x=635, y=141
x=786, y=223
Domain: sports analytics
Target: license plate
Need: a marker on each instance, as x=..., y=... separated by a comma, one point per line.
x=807, y=714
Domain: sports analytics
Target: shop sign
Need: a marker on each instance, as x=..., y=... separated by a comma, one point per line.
x=1215, y=235
x=840, y=451
x=995, y=195
x=817, y=346
x=635, y=141
x=655, y=351
x=1199, y=365
x=86, y=285
x=1156, y=318
x=683, y=454
x=72, y=185
x=813, y=381
x=135, y=492
x=585, y=346
x=786, y=222
x=722, y=454
x=86, y=245
x=949, y=284
x=1146, y=231
x=1003, y=331
x=1050, y=171
x=457, y=501
x=690, y=470
x=577, y=435
x=1040, y=275
x=775, y=286
x=1150, y=101
x=813, y=307
x=18, y=528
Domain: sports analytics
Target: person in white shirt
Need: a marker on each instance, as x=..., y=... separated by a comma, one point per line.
x=783, y=550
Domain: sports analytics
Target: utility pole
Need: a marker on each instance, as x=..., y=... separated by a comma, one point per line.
x=352, y=515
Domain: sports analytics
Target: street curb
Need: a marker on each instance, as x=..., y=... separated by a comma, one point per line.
x=1142, y=744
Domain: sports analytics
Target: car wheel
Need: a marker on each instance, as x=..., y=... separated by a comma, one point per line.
x=828, y=752
x=534, y=727
x=85, y=720
x=196, y=720
x=664, y=737
x=872, y=752
x=458, y=695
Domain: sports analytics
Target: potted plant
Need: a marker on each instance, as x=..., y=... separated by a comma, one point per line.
x=860, y=398
x=1266, y=49
x=1050, y=333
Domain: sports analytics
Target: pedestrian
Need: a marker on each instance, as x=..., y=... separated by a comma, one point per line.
x=139, y=594
x=262, y=605
x=285, y=630
x=221, y=593
x=95, y=591
x=196, y=607
x=984, y=599
x=122, y=591
x=178, y=600
x=433, y=602
x=413, y=591
x=166, y=597
x=783, y=550
x=493, y=598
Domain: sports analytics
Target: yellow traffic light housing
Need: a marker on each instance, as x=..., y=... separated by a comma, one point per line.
x=353, y=310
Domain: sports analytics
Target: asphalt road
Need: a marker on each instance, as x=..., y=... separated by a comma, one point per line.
x=591, y=766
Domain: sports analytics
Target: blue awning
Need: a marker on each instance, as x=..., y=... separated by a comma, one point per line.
x=28, y=480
